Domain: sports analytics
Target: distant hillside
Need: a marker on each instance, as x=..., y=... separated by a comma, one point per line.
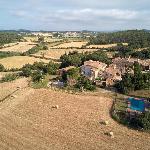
x=135, y=38
x=9, y=37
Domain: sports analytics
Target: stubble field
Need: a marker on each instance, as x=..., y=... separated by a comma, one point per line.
x=19, y=61
x=28, y=122
x=21, y=47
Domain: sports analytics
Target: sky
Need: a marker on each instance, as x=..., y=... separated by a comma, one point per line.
x=62, y=15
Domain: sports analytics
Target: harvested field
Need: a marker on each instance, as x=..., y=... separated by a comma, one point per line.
x=19, y=61
x=104, y=46
x=9, y=44
x=10, y=87
x=71, y=44
x=28, y=122
x=31, y=39
x=21, y=47
x=56, y=53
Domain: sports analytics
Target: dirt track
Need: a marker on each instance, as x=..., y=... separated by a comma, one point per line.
x=29, y=123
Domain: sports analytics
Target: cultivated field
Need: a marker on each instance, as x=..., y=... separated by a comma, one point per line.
x=21, y=47
x=19, y=61
x=28, y=122
x=71, y=44
x=56, y=53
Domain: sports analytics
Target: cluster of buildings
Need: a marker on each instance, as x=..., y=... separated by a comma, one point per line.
x=62, y=34
x=106, y=75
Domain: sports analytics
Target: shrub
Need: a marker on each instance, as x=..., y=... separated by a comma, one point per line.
x=145, y=121
x=45, y=47
x=2, y=68
x=85, y=83
x=9, y=77
x=37, y=76
x=52, y=68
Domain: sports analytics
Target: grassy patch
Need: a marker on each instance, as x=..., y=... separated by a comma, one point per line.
x=9, y=77
x=41, y=84
x=141, y=93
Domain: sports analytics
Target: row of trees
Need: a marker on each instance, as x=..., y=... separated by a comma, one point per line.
x=135, y=38
x=39, y=69
x=77, y=59
x=33, y=50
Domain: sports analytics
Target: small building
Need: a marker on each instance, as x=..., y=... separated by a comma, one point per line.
x=91, y=69
x=111, y=75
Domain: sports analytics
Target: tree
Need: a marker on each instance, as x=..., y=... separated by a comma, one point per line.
x=2, y=68
x=84, y=83
x=41, y=39
x=40, y=66
x=52, y=68
x=126, y=85
x=73, y=73
x=37, y=76
x=138, y=77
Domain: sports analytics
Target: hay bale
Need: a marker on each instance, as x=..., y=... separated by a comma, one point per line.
x=56, y=106
x=111, y=134
x=18, y=87
x=13, y=96
x=105, y=122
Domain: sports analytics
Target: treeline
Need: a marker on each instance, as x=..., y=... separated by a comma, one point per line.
x=33, y=50
x=9, y=37
x=77, y=59
x=144, y=54
x=126, y=51
x=134, y=38
x=37, y=71
x=8, y=54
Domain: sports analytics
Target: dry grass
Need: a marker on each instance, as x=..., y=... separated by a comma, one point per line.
x=21, y=47
x=71, y=44
x=19, y=61
x=56, y=53
x=104, y=46
x=29, y=122
x=31, y=39
x=9, y=87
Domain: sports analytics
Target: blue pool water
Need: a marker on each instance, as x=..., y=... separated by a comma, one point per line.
x=137, y=104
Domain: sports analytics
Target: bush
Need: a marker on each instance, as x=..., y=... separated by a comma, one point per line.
x=9, y=77
x=85, y=83
x=27, y=70
x=40, y=66
x=37, y=76
x=52, y=68
x=2, y=68
x=145, y=121
x=45, y=47
x=8, y=54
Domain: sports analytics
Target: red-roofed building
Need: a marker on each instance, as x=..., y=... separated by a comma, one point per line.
x=91, y=69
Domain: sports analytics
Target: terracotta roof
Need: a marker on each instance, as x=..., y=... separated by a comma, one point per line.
x=95, y=64
x=130, y=61
x=112, y=69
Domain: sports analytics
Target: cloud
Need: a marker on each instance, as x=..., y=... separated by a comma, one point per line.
x=77, y=14
x=19, y=13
